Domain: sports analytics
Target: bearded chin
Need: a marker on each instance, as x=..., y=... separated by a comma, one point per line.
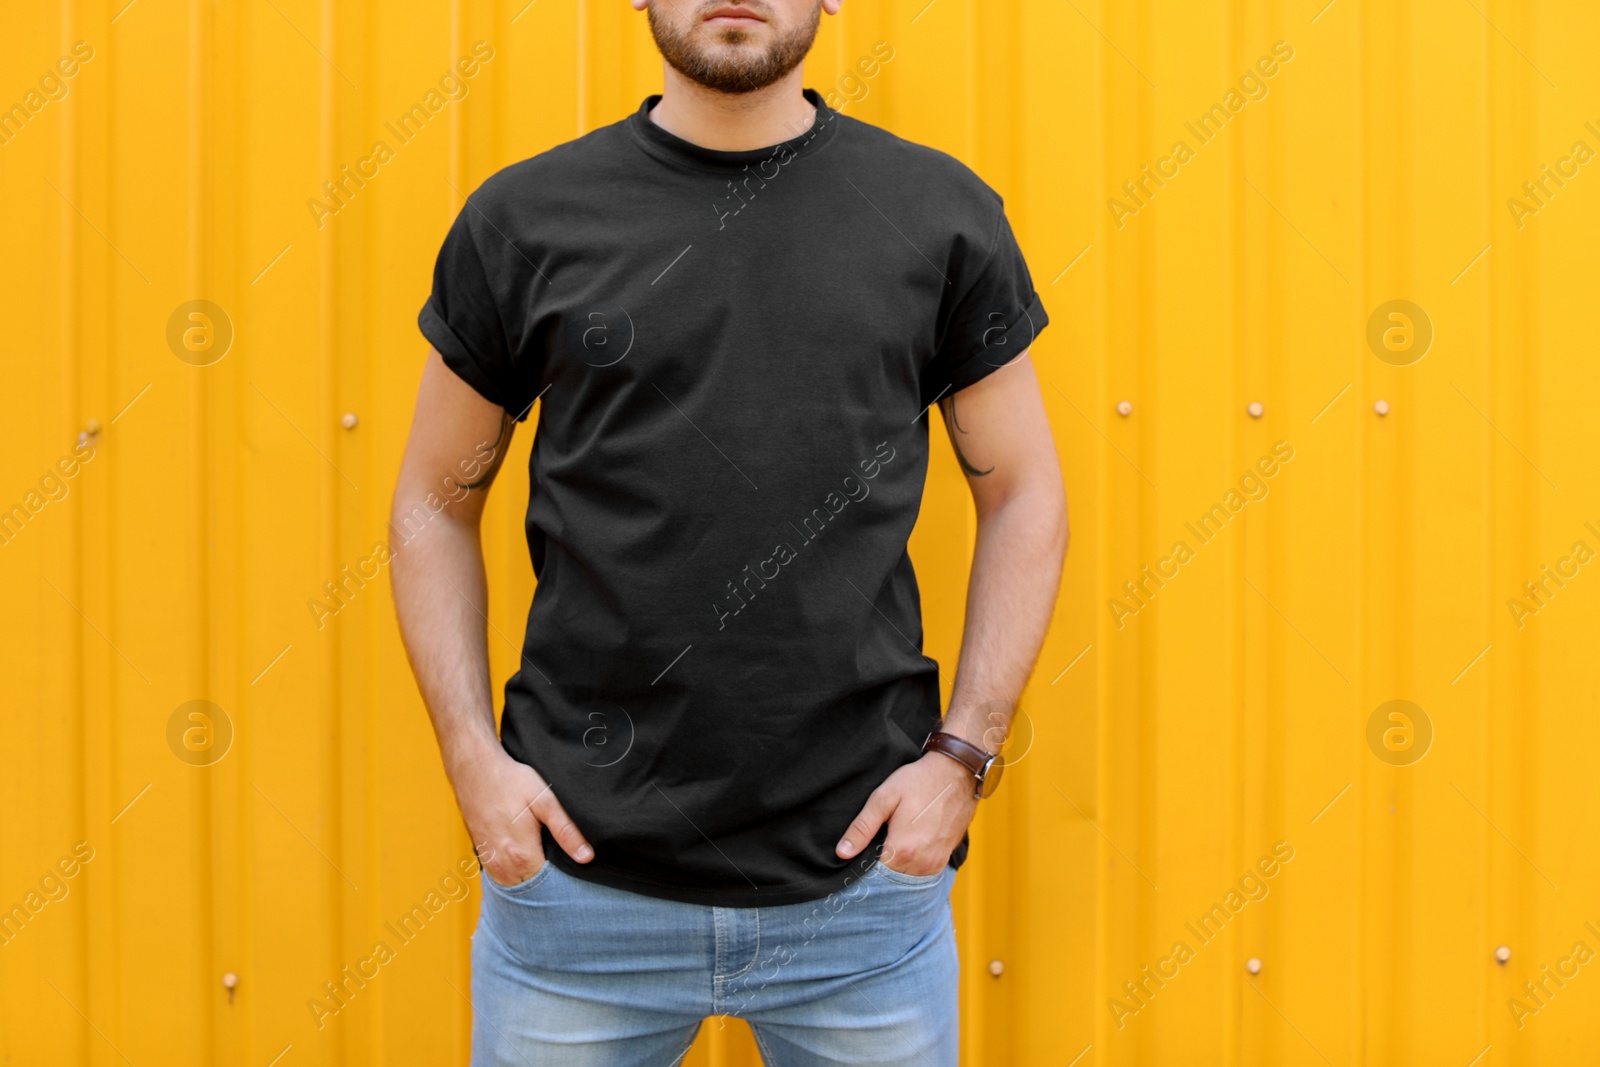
x=715, y=69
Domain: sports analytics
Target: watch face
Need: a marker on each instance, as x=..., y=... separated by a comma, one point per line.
x=992, y=770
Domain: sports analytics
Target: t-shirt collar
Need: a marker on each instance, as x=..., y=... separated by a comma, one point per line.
x=671, y=148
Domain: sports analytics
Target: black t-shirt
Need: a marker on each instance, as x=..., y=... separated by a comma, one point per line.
x=736, y=353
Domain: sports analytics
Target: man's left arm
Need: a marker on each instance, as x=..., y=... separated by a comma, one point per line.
x=1002, y=440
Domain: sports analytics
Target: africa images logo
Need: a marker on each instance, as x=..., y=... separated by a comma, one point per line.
x=604, y=740
x=602, y=336
x=1000, y=347
x=735, y=201
x=811, y=527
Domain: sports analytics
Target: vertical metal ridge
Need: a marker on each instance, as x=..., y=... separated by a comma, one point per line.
x=582, y=94
x=1529, y=887
x=1402, y=534
x=198, y=276
x=970, y=140
x=1236, y=558
x=330, y=673
x=1363, y=212
x=457, y=127
x=70, y=358
x=1146, y=757
x=1488, y=491
x=1521, y=767
x=1270, y=822
x=373, y=502
x=1107, y=697
x=1100, y=466
x=238, y=882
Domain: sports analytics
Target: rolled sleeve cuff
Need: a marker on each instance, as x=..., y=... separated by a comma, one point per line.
x=1000, y=350
x=460, y=359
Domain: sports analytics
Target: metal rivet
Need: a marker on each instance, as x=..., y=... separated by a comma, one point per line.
x=349, y=420
x=1124, y=408
x=1502, y=955
x=1253, y=965
x=997, y=968
x=1381, y=407
x=1255, y=409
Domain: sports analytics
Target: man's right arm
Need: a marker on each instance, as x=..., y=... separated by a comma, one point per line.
x=458, y=441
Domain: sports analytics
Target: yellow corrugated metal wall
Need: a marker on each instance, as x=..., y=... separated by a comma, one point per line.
x=1210, y=724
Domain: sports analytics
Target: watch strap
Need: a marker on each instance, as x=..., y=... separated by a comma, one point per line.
x=959, y=749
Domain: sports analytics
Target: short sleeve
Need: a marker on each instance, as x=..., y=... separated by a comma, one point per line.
x=993, y=319
x=472, y=318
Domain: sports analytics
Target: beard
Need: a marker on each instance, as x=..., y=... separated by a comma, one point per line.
x=732, y=70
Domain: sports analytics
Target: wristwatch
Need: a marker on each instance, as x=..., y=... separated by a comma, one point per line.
x=986, y=767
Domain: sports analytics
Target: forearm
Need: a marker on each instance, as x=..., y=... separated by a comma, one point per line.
x=442, y=601
x=1016, y=572
x=1016, y=567
x=441, y=598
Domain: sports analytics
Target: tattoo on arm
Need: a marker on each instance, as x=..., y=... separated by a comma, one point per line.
x=952, y=423
x=497, y=457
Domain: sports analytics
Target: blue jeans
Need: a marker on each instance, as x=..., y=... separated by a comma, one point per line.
x=569, y=973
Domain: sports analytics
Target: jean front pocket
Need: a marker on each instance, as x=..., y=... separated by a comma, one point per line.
x=526, y=884
x=915, y=880
x=528, y=918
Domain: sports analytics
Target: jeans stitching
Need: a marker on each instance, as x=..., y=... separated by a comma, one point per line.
x=717, y=980
x=746, y=968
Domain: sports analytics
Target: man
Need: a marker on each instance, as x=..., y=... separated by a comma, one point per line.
x=714, y=788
